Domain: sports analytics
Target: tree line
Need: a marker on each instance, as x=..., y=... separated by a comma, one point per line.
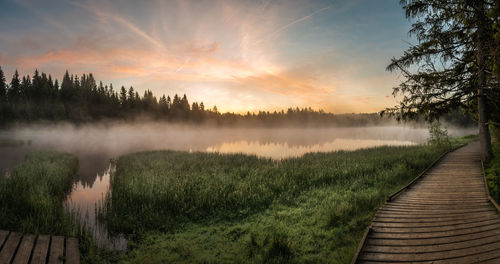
x=83, y=99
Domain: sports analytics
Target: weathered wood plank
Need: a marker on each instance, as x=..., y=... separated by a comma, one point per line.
x=431, y=248
x=72, y=251
x=56, y=254
x=41, y=250
x=438, y=234
x=3, y=237
x=455, y=222
x=452, y=256
x=444, y=217
x=9, y=249
x=428, y=218
x=24, y=251
x=435, y=229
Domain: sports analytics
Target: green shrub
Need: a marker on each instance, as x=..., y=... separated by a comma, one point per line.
x=438, y=135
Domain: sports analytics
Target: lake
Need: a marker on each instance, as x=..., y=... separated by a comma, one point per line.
x=96, y=145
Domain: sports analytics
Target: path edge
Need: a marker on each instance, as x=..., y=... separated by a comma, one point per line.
x=492, y=201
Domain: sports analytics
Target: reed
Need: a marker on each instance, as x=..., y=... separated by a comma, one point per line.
x=213, y=208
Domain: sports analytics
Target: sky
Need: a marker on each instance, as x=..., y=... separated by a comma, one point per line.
x=245, y=55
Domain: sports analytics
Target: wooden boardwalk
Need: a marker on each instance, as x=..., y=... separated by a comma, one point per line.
x=447, y=216
x=22, y=249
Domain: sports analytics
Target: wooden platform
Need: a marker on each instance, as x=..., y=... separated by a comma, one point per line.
x=444, y=217
x=21, y=249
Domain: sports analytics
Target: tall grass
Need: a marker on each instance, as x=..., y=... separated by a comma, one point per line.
x=32, y=195
x=212, y=208
x=492, y=169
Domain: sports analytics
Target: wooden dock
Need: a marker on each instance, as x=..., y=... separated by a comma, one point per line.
x=16, y=248
x=446, y=216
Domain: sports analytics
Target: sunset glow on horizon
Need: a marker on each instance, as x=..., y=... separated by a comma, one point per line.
x=239, y=55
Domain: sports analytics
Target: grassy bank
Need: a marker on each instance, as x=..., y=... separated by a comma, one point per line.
x=210, y=208
x=32, y=195
x=492, y=169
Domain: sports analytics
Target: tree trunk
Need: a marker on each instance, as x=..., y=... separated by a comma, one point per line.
x=484, y=132
x=481, y=51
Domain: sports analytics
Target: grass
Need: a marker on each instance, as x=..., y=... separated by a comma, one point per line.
x=32, y=195
x=5, y=142
x=492, y=169
x=181, y=207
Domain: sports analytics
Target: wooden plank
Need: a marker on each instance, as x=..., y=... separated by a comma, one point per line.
x=443, y=212
x=438, y=234
x=72, y=251
x=41, y=250
x=24, y=251
x=56, y=253
x=455, y=256
x=429, y=218
x=435, y=229
x=432, y=248
x=432, y=206
x=3, y=237
x=429, y=242
x=454, y=222
x=9, y=249
x=416, y=216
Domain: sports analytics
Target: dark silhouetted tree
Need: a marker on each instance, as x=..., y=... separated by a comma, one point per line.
x=3, y=87
x=451, y=64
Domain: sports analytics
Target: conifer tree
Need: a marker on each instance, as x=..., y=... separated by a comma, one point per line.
x=3, y=87
x=450, y=65
x=123, y=97
x=14, y=92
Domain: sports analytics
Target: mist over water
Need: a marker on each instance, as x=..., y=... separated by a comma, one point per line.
x=96, y=144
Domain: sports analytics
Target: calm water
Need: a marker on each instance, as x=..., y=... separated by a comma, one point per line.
x=96, y=145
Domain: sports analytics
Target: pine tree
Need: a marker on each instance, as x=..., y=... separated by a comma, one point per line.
x=123, y=97
x=3, y=98
x=449, y=67
x=14, y=92
x=66, y=88
x=495, y=93
x=3, y=87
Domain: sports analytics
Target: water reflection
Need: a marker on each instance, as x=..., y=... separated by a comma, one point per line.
x=284, y=150
x=85, y=199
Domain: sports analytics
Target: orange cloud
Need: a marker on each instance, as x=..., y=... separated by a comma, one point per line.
x=284, y=83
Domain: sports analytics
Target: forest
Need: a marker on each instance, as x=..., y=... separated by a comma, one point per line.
x=81, y=99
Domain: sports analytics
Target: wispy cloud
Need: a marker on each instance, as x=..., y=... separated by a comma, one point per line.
x=183, y=64
x=285, y=27
x=129, y=25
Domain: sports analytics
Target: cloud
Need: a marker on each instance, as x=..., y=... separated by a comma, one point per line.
x=284, y=84
x=103, y=15
x=285, y=27
x=200, y=47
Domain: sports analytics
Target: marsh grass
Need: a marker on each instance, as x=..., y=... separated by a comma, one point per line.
x=32, y=195
x=209, y=208
x=492, y=169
